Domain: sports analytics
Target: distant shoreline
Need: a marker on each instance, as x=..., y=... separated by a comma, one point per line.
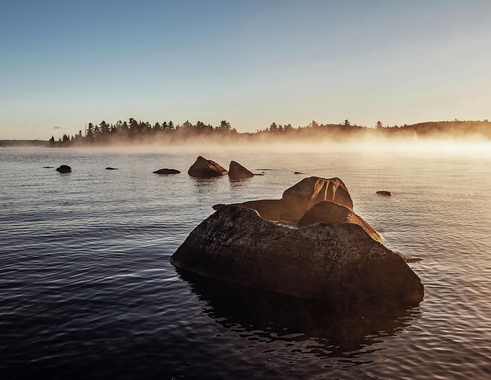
x=139, y=133
x=23, y=143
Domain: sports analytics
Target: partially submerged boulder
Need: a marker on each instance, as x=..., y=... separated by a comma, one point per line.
x=111, y=168
x=167, y=171
x=64, y=169
x=327, y=252
x=338, y=262
x=206, y=168
x=237, y=171
x=297, y=199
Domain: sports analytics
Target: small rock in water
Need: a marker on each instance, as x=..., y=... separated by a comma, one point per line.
x=206, y=168
x=298, y=173
x=110, y=168
x=385, y=193
x=64, y=169
x=237, y=171
x=167, y=171
x=48, y=167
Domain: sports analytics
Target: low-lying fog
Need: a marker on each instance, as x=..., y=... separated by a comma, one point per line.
x=471, y=145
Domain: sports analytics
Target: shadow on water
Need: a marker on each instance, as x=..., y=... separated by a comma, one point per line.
x=340, y=330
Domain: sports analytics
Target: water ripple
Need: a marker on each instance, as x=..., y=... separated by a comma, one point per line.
x=86, y=289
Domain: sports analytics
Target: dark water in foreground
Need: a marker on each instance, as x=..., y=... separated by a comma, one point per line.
x=87, y=291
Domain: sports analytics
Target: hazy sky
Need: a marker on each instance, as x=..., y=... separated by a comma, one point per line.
x=66, y=63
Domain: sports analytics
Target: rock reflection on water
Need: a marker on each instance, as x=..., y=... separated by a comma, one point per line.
x=203, y=186
x=341, y=331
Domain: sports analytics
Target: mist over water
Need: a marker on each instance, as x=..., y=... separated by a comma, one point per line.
x=86, y=288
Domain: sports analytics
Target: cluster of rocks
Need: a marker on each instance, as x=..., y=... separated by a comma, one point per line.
x=309, y=244
x=204, y=168
x=207, y=168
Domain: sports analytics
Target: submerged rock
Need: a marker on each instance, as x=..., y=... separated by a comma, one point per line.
x=167, y=171
x=206, y=168
x=384, y=193
x=237, y=171
x=297, y=199
x=332, y=261
x=64, y=169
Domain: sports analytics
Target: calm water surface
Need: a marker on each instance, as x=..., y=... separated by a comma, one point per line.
x=87, y=291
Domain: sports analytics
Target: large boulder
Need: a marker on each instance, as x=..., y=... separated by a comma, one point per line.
x=337, y=261
x=206, y=168
x=64, y=169
x=330, y=212
x=297, y=199
x=237, y=171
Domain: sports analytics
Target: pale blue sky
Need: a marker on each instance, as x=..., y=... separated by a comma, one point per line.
x=67, y=63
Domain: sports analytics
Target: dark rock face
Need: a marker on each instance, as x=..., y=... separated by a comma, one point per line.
x=330, y=212
x=167, y=171
x=326, y=252
x=299, y=198
x=331, y=261
x=206, y=168
x=384, y=192
x=237, y=171
x=64, y=169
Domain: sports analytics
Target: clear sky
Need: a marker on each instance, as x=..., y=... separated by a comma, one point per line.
x=66, y=63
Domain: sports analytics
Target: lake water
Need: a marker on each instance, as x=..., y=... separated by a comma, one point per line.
x=87, y=290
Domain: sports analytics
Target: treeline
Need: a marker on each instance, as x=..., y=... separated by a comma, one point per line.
x=132, y=131
x=455, y=129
